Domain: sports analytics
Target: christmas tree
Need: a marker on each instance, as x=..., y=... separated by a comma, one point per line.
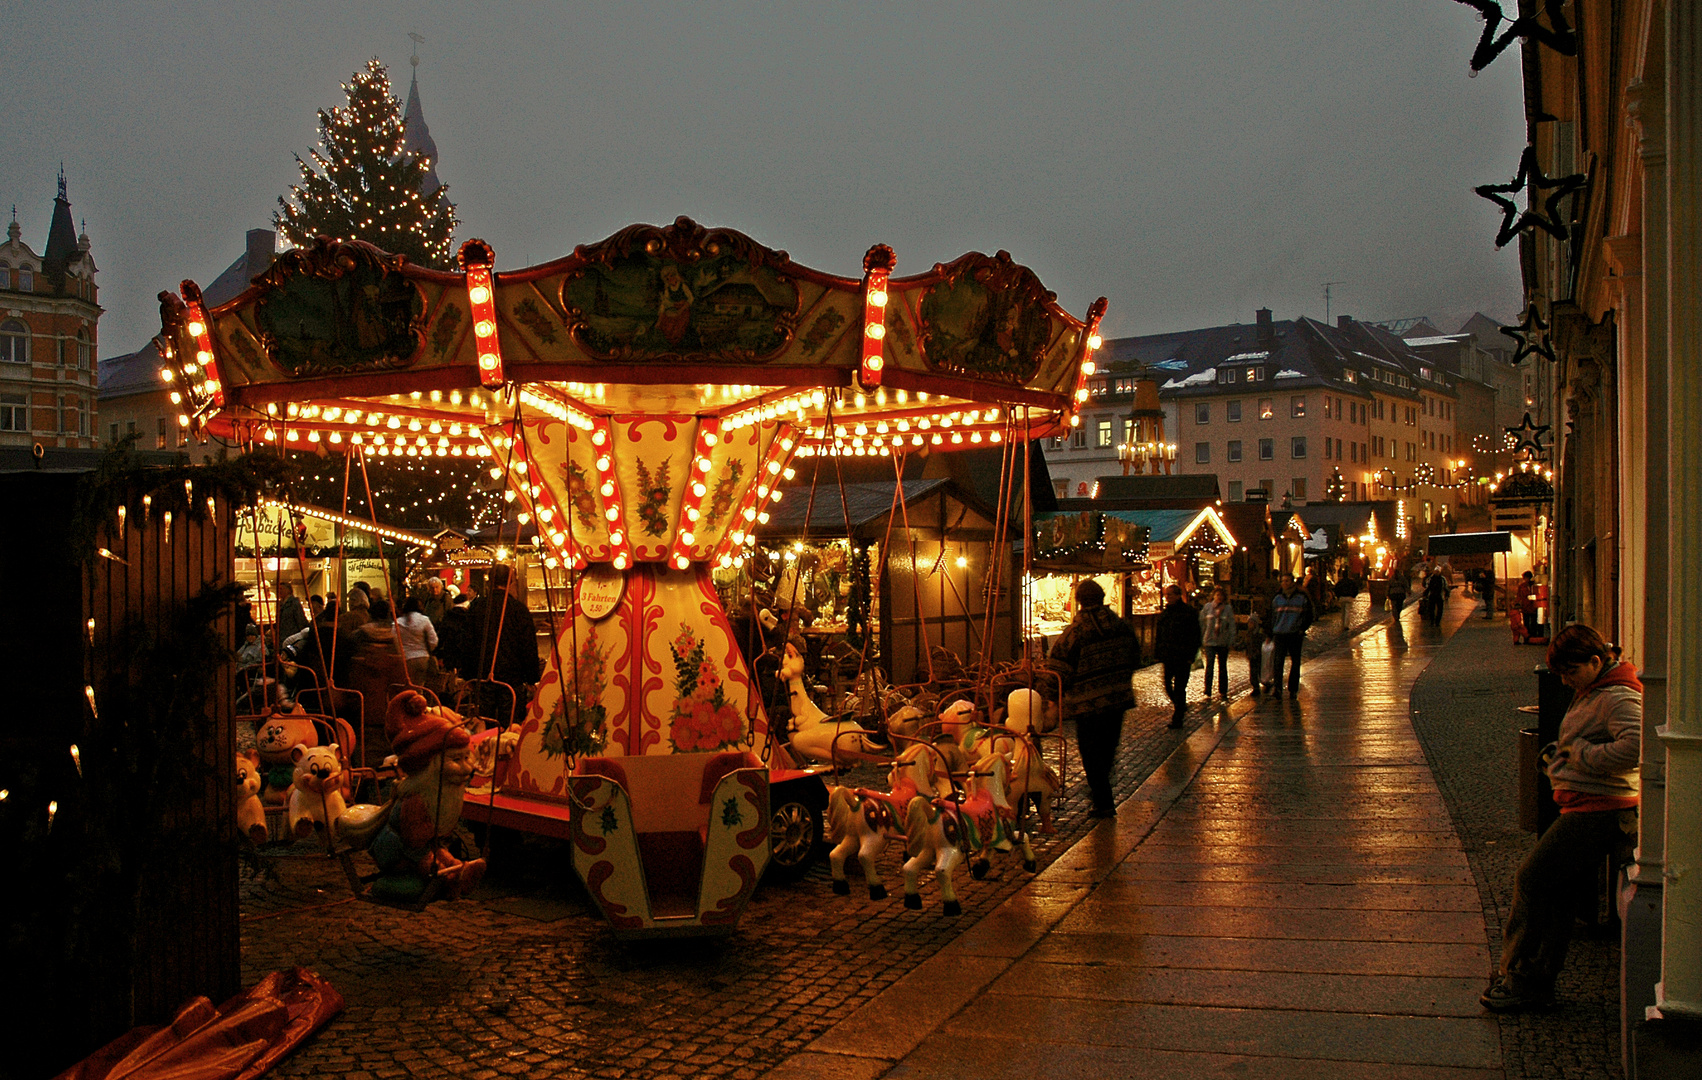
x=361, y=183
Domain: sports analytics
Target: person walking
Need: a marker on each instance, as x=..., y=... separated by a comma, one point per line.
x=1096, y=655
x=292, y=617
x=1178, y=635
x=1593, y=770
x=1527, y=607
x=1255, y=646
x=1291, y=614
x=1398, y=600
x=1217, y=635
x=501, y=645
x=1435, y=596
x=418, y=637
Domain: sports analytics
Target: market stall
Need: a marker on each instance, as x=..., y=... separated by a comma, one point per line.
x=1072, y=545
x=316, y=551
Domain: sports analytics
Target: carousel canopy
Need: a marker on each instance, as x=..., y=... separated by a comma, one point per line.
x=644, y=395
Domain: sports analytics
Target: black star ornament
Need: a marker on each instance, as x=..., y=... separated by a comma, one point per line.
x=1528, y=436
x=1532, y=336
x=1531, y=179
x=1557, y=35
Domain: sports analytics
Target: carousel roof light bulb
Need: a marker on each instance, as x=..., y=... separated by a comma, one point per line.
x=699, y=490
x=613, y=513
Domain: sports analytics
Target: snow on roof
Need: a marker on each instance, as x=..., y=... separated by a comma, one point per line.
x=1198, y=378
x=1289, y=373
x=1172, y=365
x=1445, y=339
x=1239, y=357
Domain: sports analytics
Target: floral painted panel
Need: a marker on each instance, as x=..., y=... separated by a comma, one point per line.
x=653, y=458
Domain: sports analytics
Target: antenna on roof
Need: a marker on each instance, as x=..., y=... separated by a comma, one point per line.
x=1327, y=285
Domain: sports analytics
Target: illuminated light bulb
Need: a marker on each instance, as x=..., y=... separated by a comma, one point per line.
x=620, y=561
x=995, y=437
x=607, y=490
x=166, y=374
x=762, y=491
x=738, y=537
x=726, y=563
x=692, y=513
x=603, y=463
x=89, y=694
x=52, y=809
x=478, y=294
x=1087, y=367
x=484, y=328
x=617, y=538
x=522, y=517
x=775, y=494
x=558, y=537
x=710, y=438
x=962, y=562
x=487, y=361
x=1094, y=341
x=915, y=440
x=762, y=518
x=699, y=490
x=703, y=465
x=878, y=298
x=750, y=514
x=937, y=440
x=613, y=513
x=197, y=328
x=875, y=331
x=496, y=472
x=507, y=495
x=545, y=514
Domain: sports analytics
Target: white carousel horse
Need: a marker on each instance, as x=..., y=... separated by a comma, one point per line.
x=861, y=820
x=939, y=831
x=814, y=734
x=1030, y=775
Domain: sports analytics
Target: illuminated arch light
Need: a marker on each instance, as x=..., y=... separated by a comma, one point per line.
x=684, y=545
x=476, y=259
x=748, y=514
x=609, y=491
x=877, y=269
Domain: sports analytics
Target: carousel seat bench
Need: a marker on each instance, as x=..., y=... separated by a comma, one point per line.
x=670, y=797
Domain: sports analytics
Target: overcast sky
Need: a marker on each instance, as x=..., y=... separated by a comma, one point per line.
x=1190, y=161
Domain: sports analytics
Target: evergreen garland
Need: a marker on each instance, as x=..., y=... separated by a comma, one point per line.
x=361, y=184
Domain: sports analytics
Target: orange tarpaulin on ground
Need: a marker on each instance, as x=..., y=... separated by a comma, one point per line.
x=239, y=1040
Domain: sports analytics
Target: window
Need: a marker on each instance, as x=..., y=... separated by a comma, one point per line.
x=1297, y=446
x=163, y=436
x=1297, y=488
x=1235, y=491
x=26, y=279
x=1351, y=377
x=1225, y=375
x=1297, y=407
x=5, y=276
x=1266, y=411
x=1267, y=449
x=1428, y=510
x=14, y=413
x=1078, y=437
x=1102, y=433
x=1268, y=486
x=1234, y=450
x=14, y=342
x=1326, y=449
x=1255, y=374
x=1353, y=450
x=1232, y=412
x=1202, y=453
x=1128, y=430
x=112, y=433
x=1202, y=412
x=1338, y=449
x=1061, y=488
x=59, y=414
x=85, y=350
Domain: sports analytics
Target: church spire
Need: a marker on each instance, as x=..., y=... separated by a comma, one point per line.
x=416, y=137
x=61, y=238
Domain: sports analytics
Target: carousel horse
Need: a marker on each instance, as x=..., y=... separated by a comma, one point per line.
x=861, y=820
x=815, y=735
x=1030, y=775
x=939, y=831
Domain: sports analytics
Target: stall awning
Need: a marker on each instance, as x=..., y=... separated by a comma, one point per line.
x=1088, y=542
x=1173, y=528
x=1477, y=543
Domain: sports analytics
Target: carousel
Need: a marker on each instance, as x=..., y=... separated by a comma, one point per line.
x=645, y=400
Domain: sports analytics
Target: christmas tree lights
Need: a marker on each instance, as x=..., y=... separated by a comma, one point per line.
x=361, y=184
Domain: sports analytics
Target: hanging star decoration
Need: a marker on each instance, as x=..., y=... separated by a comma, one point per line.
x=1531, y=179
x=1557, y=35
x=1528, y=436
x=1532, y=337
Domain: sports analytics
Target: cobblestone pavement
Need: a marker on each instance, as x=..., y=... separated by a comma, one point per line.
x=523, y=979
x=1465, y=710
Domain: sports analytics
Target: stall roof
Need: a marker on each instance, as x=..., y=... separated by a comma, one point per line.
x=1474, y=543
x=1176, y=526
x=864, y=504
x=1188, y=488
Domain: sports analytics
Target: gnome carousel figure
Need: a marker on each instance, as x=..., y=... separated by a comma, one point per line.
x=432, y=748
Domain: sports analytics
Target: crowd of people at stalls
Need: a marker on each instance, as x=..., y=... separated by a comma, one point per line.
x=441, y=638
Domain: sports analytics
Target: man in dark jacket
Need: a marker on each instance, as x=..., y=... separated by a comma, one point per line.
x=501, y=644
x=1178, y=643
x=1291, y=614
x=1096, y=654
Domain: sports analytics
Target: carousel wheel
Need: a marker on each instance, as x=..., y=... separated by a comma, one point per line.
x=794, y=830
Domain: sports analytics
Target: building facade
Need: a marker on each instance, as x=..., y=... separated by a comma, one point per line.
x=1614, y=292
x=49, y=318
x=1299, y=410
